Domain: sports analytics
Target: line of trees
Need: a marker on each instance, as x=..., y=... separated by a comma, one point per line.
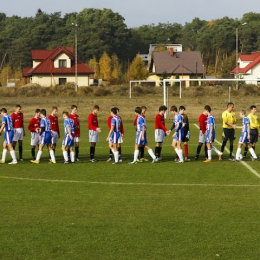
x=104, y=32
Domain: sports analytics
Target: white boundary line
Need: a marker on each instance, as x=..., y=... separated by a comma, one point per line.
x=244, y=163
x=132, y=183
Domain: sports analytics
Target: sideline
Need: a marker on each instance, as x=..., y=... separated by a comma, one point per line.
x=243, y=162
x=132, y=183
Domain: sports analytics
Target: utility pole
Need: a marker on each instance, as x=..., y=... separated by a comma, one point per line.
x=76, y=56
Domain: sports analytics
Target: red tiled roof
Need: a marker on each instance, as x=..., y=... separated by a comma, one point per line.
x=40, y=54
x=249, y=57
x=47, y=65
x=255, y=61
x=26, y=72
x=180, y=63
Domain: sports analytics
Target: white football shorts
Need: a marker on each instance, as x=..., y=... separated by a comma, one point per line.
x=18, y=134
x=93, y=136
x=76, y=139
x=34, y=138
x=159, y=135
x=202, y=138
x=55, y=137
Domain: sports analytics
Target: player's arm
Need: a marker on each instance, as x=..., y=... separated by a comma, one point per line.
x=2, y=127
x=143, y=130
x=69, y=132
x=110, y=132
x=122, y=130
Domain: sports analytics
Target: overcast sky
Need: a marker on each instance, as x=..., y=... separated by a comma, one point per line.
x=139, y=12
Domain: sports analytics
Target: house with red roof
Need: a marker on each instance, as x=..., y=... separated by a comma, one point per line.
x=57, y=67
x=248, y=68
x=175, y=64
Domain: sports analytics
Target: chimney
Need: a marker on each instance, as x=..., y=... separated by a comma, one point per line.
x=70, y=49
x=171, y=52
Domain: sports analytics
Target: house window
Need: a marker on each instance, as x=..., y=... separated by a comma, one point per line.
x=62, y=81
x=62, y=64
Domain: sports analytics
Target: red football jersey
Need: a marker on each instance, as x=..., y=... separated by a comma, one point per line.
x=34, y=124
x=17, y=120
x=159, y=122
x=75, y=118
x=203, y=123
x=109, y=122
x=54, y=123
x=92, y=122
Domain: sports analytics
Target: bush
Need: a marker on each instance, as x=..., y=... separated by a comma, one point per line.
x=100, y=92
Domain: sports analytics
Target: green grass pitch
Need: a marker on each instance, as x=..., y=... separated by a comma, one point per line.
x=144, y=211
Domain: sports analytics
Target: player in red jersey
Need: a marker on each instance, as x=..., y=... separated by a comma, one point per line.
x=19, y=132
x=203, y=119
x=120, y=140
x=93, y=132
x=55, y=130
x=34, y=128
x=75, y=117
x=141, y=148
x=160, y=131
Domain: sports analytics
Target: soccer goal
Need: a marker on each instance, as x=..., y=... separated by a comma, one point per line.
x=166, y=92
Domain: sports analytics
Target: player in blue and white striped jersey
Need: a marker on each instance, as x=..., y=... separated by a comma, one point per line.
x=114, y=134
x=45, y=138
x=210, y=134
x=68, y=141
x=178, y=134
x=244, y=137
x=141, y=137
x=7, y=127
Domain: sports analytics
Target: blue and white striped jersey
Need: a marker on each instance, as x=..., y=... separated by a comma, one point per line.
x=140, y=123
x=45, y=124
x=246, y=123
x=116, y=122
x=69, y=123
x=211, y=123
x=178, y=122
x=8, y=122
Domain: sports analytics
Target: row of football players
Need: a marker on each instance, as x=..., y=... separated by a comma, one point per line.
x=45, y=131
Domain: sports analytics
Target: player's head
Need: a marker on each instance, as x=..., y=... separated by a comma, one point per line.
x=65, y=114
x=3, y=111
x=43, y=112
x=230, y=106
x=37, y=112
x=113, y=110
x=207, y=108
x=182, y=109
x=253, y=109
x=162, y=108
x=138, y=110
x=18, y=108
x=174, y=109
x=95, y=109
x=74, y=109
x=143, y=109
x=242, y=113
x=54, y=111
x=117, y=109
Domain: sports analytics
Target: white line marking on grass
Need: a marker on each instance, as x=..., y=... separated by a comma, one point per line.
x=244, y=163
x=133, y=183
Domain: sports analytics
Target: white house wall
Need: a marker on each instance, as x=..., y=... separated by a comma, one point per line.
x=254, y=73
x=47, y=80
x=62, y=56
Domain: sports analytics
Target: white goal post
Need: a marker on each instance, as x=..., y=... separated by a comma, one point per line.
x=165, y=96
